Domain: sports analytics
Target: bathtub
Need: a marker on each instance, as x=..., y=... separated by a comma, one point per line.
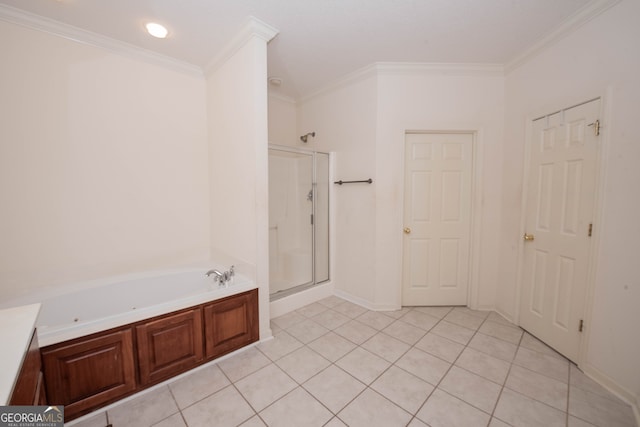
x=85, y=308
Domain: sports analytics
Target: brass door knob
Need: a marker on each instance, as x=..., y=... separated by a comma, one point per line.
x=407, y=230
x=528, y=237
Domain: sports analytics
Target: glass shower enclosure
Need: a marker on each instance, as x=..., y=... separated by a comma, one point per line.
x=298, y=220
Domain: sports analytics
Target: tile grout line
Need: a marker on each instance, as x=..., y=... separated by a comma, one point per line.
x=511, y=362
x=255, y=413
x=454, y=364
x=331, y=363
x=180, y=410
x=504, y=384
x=398, y=358
x=476, y=331
x=511, y=365
x=233, y=384
x=495, y=405
x=412, y=346
x=368, y=386
x=177, y=406
x=272, y=362
x=334, y=364
x=435, y=387
x=568, y=393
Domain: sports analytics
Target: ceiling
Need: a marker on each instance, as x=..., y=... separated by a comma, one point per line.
x=321, y=40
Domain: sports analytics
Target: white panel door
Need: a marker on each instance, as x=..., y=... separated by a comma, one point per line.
x=560, y=206
x=437, y=218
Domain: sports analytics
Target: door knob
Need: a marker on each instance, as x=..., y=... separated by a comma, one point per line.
x=528, y=237
x=407, y=230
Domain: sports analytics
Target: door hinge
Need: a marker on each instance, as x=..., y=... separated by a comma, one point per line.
x=581, y=327
x=311, y=219
x=596, y=127
x=590, y=230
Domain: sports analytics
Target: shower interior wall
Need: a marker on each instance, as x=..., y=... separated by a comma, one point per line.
x=284, y=131
x=344, y=128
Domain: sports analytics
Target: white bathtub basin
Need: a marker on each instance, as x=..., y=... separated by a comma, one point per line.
x=83, y=309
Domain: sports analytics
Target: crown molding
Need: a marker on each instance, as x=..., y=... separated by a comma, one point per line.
x=586, y=14
x=346, y=80
x=407, y=68
x=281, y=97
x=447, y=69
x=78, y=35
x=581, y=17
x=253, y=27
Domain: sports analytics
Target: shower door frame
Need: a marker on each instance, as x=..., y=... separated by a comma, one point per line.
x=314, y=184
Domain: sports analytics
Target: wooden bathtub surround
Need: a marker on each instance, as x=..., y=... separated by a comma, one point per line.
x=29, y=389
x=86, y=372
x=90, y=372
x=230, y=324
x=169, y=345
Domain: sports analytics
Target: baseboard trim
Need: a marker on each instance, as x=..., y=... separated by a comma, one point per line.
x=607, y=382
x=298, y=300
x=365, y=303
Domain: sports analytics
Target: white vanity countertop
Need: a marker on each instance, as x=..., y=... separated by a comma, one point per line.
x=16, y=328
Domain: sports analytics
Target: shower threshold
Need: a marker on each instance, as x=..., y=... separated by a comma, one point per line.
x=290, y=291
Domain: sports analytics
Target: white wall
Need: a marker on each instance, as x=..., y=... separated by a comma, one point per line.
x=345, y=122
x=106, y=167
x=431, y=99
x=238, y=134
x=364, y=123
x=600, y=59
x=282, y=120
x=103, y=163
x=110, y=165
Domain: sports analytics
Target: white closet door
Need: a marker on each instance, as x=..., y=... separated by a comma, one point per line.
x=437, y=218
x=559, y=213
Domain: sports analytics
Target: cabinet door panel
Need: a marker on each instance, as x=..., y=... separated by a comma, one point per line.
x=231, y=323
x=88, y=373
x=169, y=345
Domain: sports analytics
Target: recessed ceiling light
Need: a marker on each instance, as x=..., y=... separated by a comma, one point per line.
x=157, y=30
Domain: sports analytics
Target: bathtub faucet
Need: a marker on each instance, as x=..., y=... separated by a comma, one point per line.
x=223, y=278
x=216, y=272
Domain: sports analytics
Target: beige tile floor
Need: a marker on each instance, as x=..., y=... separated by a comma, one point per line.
x=334, y=363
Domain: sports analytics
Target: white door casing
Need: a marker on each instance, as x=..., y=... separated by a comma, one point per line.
x=559, y=215
x=437, y=218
